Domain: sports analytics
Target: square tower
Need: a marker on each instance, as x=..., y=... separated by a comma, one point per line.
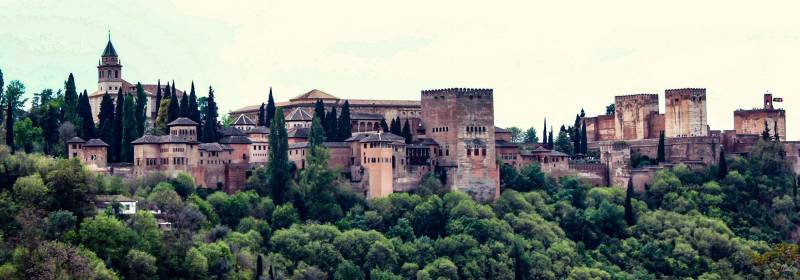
x=462, y=122
x=685, y=114
x=632, y=115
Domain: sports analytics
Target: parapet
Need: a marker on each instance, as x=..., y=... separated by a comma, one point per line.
x=641, y=97
x=685, y=92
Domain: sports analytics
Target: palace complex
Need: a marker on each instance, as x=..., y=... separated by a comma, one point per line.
x=453, y=135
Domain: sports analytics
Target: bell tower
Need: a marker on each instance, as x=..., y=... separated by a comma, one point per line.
x=109, y=70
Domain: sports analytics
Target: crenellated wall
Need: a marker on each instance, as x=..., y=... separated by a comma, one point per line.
x=633, y=114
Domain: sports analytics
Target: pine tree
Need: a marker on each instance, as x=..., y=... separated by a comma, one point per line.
x=584, y=139
x=661, y=153
x=174, y=110
x=316, y=135
x=158, y=96
x=270, y=108
x=129, y=129
x=85, y=114
x=261, y=115
x=345, y=126
x=210, y=134
x=765, y=134
x=141, y=110
x=194, y=109
x=116, y=142
x=384, y=126
x=630, y=215
x=106, y=119
x=331, y=129
x=71, y=101
x=278, y=165
x=722, y=166
x=406, y=133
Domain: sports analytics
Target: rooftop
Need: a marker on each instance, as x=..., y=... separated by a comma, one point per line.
x=243, y=120
x=182, y=121
x=95, y=142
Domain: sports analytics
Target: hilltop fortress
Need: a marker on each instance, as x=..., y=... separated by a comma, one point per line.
x=453, y=136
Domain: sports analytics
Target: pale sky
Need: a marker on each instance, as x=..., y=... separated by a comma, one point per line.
x=542, y=58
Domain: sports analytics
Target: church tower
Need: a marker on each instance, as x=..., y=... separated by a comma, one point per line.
x=109, y=70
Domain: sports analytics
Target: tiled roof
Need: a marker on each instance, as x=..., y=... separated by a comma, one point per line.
x=297, y=132
x=505, y=144
x=235, y=139
x=147, y=139
x=95, y=142
x=228, y=131
x=214, y=147
x=501, y=130
x=109, y=51
x=301, y=145
x=353, y=103
x=365, y=116
x=383, y=137
x=243, y=120
x=356, y=137
x=76, y=139
x=426, y=142
x=299, y=115
x=258, y=129
x=314, y=94
x=155, y=139
x=182, y=121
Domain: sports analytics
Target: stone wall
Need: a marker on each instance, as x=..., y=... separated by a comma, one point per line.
x=632, y=115
x=600, y=128
x=752, y=121
x=686, y=112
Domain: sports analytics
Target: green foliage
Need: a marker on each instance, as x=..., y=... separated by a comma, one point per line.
x=129, y=130
x=108, y=237
x=277, y=171
x=209, y=124
x=27, y=136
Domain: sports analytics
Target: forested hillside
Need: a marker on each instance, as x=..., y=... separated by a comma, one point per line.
x=734, y=223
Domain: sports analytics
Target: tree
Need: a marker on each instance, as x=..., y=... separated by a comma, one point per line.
x=610, y=109
x=562, y=143
x=384, y=125
x=259, y=262
x=12, y=100
x=50, y=125
x=141, y=110
x=345, y=127
x=584, y=138
x=270, y=108
x=777, y=136
x=278, y=165
x=108, y=237
x=106, y=119
x=348, y=271
x=116, y=142
x=87, y=130
x=2, y=83
x=174, y=110
x=141, y=265
x=575, y=136
x=517, y=136
x=722, y=166
x=158, y=96
x=194, y=109
x=160, y=126
x=765, y=134
x=522, y=261
x=661, y=154
x=550, y=139
x=261, y=115
x=319, y=112
x=544, y=133
x=331, y=129
x=71, y=101
x=210, y=134
x=26, y=135
x=407, y=132
x=531, y=136
x=129, y=130
x=31, y=191
x=630, y=215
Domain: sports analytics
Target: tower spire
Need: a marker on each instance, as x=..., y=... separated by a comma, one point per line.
x=109, y=35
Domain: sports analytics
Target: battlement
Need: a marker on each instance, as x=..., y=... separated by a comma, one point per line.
x=649, y=97
x=457, y=92
x=742, y=112
x=685, y=93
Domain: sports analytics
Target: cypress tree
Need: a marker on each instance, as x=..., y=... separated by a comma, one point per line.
x=2, y=83
x=50, y=125
x=106, y=118
x=161, y=118
x=393, y=126
x=194, y=110
x=85, y=114
x=184, y=111
x=544, y=133
x=210, y=134
x=270, y=108
x=550, y=138
x=765, y=134
x=384, y=126
x=345, y=126
x=630, y=216
x=259, y=268
x=584, y=139
x=316, y=135
x=576, y=135
x=158, y=96
x=406, y=133
x=116, y=142
x=722, y=166
x=261, y=115
x=278, y=165
x=661, y=153
x=141, y=110
x=129, y=129
x=330, y=125
x=174, y=110
x=71, y=101
x=777, y=136
x=319, y=112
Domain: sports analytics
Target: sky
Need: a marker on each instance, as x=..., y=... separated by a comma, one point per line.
x=544, y=59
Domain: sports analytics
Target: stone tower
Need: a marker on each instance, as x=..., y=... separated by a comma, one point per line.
x=378, y=161
x=462, y=122
x=109, y=70
x=632, y=115
x=686, y=112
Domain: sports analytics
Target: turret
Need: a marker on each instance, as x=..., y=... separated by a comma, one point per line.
x=109, y=70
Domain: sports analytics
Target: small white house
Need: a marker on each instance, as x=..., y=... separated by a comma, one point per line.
x=128, y=205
